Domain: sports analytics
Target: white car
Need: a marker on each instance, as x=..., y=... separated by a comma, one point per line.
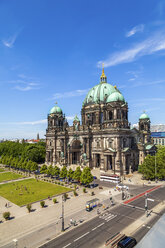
x=122, y=186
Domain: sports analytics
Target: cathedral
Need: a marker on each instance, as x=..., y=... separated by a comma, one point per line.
x=104, y=138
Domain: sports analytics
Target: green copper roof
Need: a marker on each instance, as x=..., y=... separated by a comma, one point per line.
x=144, y=116
x=115, y=97
x=76, y=118
x=99, y=93
x=56, y=110
x=148, y=147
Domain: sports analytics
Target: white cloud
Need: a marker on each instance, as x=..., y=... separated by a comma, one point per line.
x=10, y=41
x=153, y=44
x=26, y=83
x=70, y=94
x=134, y=30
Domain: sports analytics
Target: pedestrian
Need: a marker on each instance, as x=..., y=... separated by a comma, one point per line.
x=6, y=205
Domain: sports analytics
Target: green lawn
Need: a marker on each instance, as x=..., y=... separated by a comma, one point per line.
x=1, y=170
x=29, y=190
x=9, y=176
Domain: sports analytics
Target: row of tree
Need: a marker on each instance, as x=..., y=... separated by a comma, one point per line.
x=84, y=176
x=154, y=166
x=19, y=163
x=34, y=152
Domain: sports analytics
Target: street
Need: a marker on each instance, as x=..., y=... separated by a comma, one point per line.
x=95, y=232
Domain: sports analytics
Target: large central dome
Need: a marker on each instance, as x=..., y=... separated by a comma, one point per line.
x=100, y=92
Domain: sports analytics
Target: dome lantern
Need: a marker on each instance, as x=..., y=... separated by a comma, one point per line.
x=103, y=78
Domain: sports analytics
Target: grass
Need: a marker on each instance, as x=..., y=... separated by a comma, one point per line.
x=1, y=170
x=29, y=191
x=9, y=176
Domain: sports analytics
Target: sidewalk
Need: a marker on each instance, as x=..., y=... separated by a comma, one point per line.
x=25, y=222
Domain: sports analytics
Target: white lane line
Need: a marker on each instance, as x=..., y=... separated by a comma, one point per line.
x=81, y=236
x=111, y=218
x=66, y=245
x=97, y=226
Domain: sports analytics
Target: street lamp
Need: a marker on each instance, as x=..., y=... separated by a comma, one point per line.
x=62, y=227
x=155, y=167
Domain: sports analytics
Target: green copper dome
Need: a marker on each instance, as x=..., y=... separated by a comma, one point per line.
x=115, y=97
x=76, y=118
x=144, y=116
x=99, y=93
x=56, y=110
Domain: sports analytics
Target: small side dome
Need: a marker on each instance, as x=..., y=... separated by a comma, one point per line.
x=115, y=97
x=55, y=110
x=76, y=118
x=144, y=116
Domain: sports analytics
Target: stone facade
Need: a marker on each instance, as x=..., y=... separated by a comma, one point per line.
x=103, y=139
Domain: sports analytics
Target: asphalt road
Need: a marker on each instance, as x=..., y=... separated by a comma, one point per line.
x=95, y=232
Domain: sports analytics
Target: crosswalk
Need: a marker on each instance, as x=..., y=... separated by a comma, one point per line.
x=107, y=216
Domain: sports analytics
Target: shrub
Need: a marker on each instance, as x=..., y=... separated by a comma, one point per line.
x=42, y=203
x=6, y=215
x=75, y=193
x=65, y=196
x=55, y=200
x=29, y=207
x=84, y=190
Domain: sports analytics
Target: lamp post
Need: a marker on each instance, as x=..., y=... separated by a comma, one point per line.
x=155, y=167
x=62, y=227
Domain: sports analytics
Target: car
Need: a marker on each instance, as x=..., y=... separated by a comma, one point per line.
x=94, y=177
x=121, y=186
x=93, y=185
x=127, y=242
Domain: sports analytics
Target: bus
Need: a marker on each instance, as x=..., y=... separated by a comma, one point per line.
x=92, y=204
x=110, y=178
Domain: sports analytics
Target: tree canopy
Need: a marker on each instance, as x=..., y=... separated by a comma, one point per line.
x=86, y=176
x=34, y=152
x=152, y=165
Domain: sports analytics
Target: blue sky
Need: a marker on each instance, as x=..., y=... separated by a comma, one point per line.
x=53, y=50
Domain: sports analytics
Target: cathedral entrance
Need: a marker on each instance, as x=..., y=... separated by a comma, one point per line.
x=75, y=152
x=75, y=157
x=109, y=162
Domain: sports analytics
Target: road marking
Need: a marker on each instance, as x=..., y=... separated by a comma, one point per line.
x=141, y=194
x=81, y=236
x=111, y=218
x=97, y=226
x=67, y=245
x=133, y=206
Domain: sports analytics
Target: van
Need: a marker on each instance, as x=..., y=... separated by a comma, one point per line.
x=127, y=242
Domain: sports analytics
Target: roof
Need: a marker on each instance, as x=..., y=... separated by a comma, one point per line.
x=144, y=116
x=115, y=97
x=158, y=134
x=155, y=237
x=76, y=118
x=55, y=110
x=148, y=147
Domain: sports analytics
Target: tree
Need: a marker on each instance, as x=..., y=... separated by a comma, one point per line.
x=56, y=171
x=6, y=215
x=148, y=166
x=50, y=170
x=43, y=169
x=70, y=174
x=29, y=207
x=77, y=174
x=63, y=172
x=86, y=176
x=42, y=203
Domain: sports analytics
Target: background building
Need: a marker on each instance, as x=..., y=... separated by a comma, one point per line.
x=158, y=138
